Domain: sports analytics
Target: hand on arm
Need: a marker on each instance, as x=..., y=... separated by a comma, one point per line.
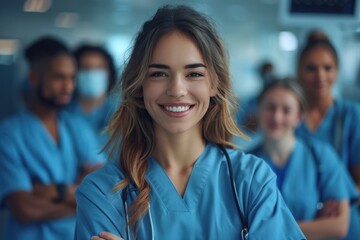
x=51, y=193
x=26, y=207
x=106, y=236
x=333, y=221
x=330, y=209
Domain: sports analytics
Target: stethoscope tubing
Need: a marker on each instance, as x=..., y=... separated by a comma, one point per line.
x=244, y=230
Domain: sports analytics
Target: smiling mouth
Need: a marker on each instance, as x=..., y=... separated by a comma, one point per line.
x=177, y=109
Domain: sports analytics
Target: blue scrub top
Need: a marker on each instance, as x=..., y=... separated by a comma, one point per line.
x=318, y=180
x=340, y=128
x=206, y=211
x=98, y=118
x=342, y=117
x=28, y=154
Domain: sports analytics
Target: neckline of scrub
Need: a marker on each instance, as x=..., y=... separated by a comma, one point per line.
x=325, y=121
x=162, y=186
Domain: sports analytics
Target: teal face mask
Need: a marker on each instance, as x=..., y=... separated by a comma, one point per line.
x=92, y=83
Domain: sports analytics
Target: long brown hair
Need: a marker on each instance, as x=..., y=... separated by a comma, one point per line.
x=131, y=127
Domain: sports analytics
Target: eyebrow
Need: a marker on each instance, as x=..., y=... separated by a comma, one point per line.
x=163, y=66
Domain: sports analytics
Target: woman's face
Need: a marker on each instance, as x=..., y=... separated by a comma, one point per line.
x=279, y=113
x=177, y=88
x=318, y=72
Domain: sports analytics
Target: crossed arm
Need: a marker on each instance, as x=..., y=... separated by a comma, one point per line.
x=39, y=203
x=332, y=221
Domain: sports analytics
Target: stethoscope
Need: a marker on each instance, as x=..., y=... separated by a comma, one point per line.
x=244, y=230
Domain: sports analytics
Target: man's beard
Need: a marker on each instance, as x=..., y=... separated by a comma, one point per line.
x=48, y=102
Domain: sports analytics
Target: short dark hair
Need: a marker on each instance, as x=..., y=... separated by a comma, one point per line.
x=87, y=48
x=45, y=49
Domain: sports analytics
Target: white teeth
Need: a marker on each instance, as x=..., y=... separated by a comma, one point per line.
x=177, y=108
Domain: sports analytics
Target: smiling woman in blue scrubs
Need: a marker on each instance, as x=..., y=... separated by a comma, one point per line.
x=330, y=120
x=308, y=171
x=172, y=179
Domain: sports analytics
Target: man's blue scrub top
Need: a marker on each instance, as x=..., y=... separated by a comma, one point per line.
x=28, y=154
x=98, y=118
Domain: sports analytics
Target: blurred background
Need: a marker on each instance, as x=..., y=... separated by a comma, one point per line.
x=253, y=31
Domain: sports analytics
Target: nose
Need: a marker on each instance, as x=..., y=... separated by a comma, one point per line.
x=176, y=87
x=277, y=114
x=321, y=75
x=69, y=84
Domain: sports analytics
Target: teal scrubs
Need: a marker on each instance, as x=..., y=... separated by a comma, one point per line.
x=28, y=155
x=340, y=128
x=206, y=211
x=98, y=117
x=317, y=178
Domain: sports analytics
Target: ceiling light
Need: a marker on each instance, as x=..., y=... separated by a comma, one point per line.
x=66, y=20
x=8, y=46
x=288, y=41
x=37, y=5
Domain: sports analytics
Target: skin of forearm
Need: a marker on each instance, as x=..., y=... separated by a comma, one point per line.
x=325, y=228
x=51, y=193
x=70, y=196
x=27, y=209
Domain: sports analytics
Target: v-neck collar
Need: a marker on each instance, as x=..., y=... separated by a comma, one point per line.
x=49, y=139
x=329, y=115
x=166, y=191
x=286, y=167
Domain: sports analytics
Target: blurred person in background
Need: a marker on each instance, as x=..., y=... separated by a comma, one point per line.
x=331, y=120
x=304, y=167
x=246, y=116
x=45, y=152
x=95, y=78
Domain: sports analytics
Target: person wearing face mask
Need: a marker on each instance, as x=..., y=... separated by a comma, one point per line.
x=45, y=152
x=309, y=173
x=95, y=78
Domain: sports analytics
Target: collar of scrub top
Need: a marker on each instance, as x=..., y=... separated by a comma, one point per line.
x=244, y=230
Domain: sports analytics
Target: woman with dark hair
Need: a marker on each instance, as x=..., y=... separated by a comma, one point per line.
x=96, y=78
x=176, y=174
x=304, y=167
x=331, y=120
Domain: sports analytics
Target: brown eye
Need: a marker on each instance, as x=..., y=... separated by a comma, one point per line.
x=195, y=74
x=328, y=68
x=270, y=107
x=287, y=110
x=310, y=68
x=158, y=74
